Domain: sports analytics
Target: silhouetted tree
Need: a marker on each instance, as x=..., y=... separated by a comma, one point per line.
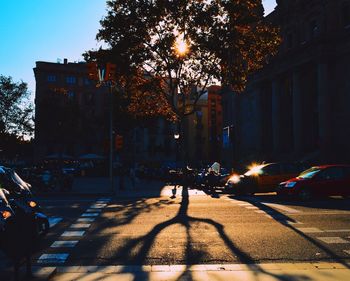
x=163, y=48
x=16, y=110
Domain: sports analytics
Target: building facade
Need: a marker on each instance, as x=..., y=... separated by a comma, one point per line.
x=73, y=119
x=71, y=114
x=296, y=107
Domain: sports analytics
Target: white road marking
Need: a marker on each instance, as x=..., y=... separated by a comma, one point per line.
x=281, y=207
x=64, y=244
x=53, y=258
x=310, y=230
x=93, y=210
x=86, y=220
x=54, y=221
x=80, y=225
x=338, y=230
x=333, y=240
x=292, y=222
x=90, y=214
x=73, y=233
x=98, y=206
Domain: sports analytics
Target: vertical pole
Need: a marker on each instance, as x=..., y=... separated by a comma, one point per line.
x=111, y=142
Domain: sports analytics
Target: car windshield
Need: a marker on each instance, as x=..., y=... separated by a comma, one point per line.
x=308, y=174
x=18, y=179
x=3, y=196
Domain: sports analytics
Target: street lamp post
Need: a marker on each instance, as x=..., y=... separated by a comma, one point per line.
x=106, y=76
x=111, y=138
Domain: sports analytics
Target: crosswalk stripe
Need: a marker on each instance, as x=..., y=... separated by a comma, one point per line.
x=93, y=210
x=337, y=230
x=53, y=258
x=64, y=244
x=86, y=220
x=310, y=230
x=281, y=207
x=90, y=214
x=73, y=233
x=80, y=225
x=333, y=240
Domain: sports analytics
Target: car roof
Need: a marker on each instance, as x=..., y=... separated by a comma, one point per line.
x=332, y=165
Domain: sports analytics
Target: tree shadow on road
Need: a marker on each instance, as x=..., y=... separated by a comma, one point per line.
x=144, y=245
x=289, y=223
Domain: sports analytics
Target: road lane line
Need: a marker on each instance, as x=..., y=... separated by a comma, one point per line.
x=90, y=214
x=338, y=230
x=80, y=225
x=93, y=210
x=73, y=233
x=86, y=220
x=309, y=230
x=333, y=240
x=281, y=207
x=53, y=258
x=98, y=206
x=64, y=244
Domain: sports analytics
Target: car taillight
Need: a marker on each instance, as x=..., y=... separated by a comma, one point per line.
x=6, y=214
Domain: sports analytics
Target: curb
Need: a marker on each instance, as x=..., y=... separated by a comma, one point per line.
x=110, y=269
x=39, y=273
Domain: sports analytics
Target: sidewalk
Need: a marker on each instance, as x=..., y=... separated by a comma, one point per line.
x=232, y=272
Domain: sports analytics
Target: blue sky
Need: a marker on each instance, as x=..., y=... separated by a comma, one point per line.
x=47, y=30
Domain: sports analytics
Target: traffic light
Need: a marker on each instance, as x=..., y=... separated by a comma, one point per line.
x=118, y=142
x=93, y=71
x=110, y=72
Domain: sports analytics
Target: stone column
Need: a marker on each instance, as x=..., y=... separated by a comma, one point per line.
x=297, y=112
x=276, y=115
x=324, y=115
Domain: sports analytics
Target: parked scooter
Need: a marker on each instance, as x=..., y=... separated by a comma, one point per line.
x=18, y=233
x=22, y=200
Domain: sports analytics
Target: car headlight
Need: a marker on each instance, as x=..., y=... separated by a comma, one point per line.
x=6, y=214
x=32, y=204
x=291, y=184
x=234, y=179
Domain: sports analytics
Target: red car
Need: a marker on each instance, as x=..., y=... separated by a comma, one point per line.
x=323, y=180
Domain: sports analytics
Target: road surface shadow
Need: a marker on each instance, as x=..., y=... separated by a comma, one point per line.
x=142, y=246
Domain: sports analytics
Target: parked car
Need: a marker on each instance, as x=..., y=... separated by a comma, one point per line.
x=262, y=178
x=318, y=181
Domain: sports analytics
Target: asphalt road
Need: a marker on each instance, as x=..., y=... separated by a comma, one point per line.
x=194, y=228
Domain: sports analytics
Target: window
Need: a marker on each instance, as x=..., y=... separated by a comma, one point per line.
x=333, y=173
x=51, y=78
x=71, y=80
x=271, y=170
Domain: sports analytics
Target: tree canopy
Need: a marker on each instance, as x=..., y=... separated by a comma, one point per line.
x=16, y=109
x=177, y=46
